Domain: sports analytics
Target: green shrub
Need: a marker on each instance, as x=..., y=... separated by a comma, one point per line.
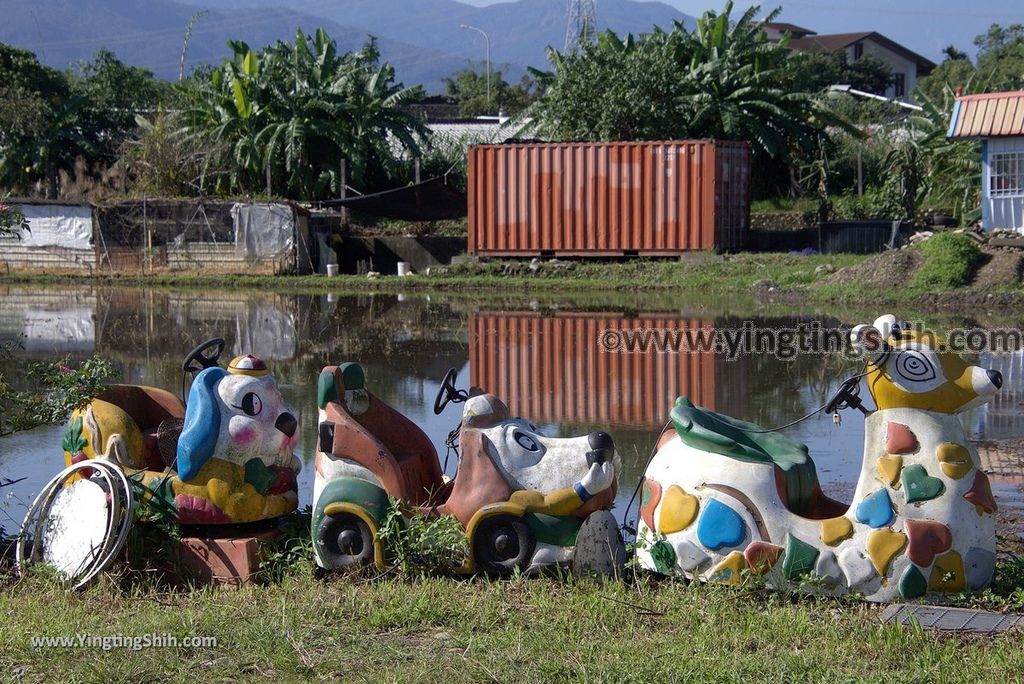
x=876, y=203
x=949, y=261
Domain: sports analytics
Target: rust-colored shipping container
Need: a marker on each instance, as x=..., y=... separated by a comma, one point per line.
x=555, y=367
x=608, y=199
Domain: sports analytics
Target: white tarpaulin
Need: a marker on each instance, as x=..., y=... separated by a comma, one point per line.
x=263, y=231
x=57, y=225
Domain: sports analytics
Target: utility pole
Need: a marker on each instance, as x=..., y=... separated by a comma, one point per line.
x=487, y=41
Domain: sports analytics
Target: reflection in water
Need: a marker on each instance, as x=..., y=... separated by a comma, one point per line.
x=548, y=366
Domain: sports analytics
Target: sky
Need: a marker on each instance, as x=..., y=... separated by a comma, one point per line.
x=924, y=26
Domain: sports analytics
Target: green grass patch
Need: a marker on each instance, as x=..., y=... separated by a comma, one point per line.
x=453, y=630
x=950, y=260
x=783, y=204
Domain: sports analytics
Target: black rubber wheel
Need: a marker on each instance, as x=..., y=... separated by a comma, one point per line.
x=344, y=541
x=501, y=544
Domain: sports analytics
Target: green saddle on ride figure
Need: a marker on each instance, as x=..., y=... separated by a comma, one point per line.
x=709, y=431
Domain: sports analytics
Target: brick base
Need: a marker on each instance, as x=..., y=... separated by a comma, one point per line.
x=231, y=561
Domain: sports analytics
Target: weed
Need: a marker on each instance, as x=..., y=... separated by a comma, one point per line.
x=419, y=543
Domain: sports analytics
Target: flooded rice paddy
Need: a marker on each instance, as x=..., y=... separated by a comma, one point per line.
x=547, y=361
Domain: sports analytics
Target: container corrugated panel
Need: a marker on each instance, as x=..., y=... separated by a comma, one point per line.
x=593, y=199
x=555, y=369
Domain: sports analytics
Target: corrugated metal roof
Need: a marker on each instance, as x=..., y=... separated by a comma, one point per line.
x=992, y=115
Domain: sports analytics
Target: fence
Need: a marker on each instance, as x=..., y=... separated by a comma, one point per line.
x=163, y=235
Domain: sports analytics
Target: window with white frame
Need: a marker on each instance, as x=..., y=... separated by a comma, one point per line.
x=1006, y=174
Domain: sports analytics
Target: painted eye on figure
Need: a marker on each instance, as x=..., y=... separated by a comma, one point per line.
x=524, y=440
x=914, y=366
x=252, y=405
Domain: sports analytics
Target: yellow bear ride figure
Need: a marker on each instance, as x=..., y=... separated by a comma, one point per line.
x=225, y=458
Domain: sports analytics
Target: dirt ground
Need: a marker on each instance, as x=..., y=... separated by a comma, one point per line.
x=1000, y=267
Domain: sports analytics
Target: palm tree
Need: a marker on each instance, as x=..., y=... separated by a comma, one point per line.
x=297, y=110
x=739, y=85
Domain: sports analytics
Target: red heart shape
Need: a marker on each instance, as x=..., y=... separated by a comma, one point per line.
x=980, y=494
x=284, y=482
x=649, y=501
x=762, y=556
x=927, y=539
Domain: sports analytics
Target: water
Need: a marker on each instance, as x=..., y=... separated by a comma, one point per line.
x=543, y=359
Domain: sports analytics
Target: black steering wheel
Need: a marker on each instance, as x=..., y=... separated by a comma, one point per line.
x=448, y=392
x=847, y=396
x=206, y=355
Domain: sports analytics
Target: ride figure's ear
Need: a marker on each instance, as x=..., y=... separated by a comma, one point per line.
x=199, y=435
x=483, y=411
x=869, y=342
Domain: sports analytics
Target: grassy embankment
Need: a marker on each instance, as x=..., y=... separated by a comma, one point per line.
x=946, y=265
x=451, y=630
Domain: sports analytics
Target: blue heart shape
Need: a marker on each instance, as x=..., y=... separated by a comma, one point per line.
x=720, y=526
x=876, y=509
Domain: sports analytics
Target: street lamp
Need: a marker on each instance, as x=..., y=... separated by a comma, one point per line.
x=487, y=40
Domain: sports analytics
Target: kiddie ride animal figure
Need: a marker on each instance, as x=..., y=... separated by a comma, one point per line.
x=527, y=502
x=722, y=496
x=225, y=458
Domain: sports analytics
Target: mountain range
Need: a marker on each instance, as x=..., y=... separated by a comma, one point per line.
x=422, y=38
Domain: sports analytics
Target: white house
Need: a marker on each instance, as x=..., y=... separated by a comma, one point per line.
x=997, y=120
x=907, y=66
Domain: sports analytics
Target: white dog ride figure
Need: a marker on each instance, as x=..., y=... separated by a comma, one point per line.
x=722, y=497
x=226, y=458
x=526, y=501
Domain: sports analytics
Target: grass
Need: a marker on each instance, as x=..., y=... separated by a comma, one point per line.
x=704, y=272
x=443, y=629
x=783, y=204
x=950, y=262
x=786, y=278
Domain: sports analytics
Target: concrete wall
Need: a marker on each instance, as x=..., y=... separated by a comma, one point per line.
x=222, y=258
x=15, y=256
x=386, y=252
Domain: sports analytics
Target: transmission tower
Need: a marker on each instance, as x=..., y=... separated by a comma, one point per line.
x=582, y=23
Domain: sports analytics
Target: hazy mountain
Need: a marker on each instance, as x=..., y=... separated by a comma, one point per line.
x=519, y=31
x=422, y=39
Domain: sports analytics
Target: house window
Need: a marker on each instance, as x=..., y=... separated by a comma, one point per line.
x=858, y=50
x=899, y=85
x=1006, y=175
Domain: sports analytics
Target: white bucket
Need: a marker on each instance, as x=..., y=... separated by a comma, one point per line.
x=403, y=268
x=332, y=270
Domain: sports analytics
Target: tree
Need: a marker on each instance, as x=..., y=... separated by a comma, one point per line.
x=819, y=70
x=299, y=109
x=1001, y=56
x=956, y=70
x=615, y=89
x=49, y=119
x=724, y=80
x=741, y=86
x=113, y=94
x=469, y=87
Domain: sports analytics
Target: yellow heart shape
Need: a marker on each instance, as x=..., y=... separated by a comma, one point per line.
x=678, y=510
x=948, y=573
x=954, y=459
x=835, y=530
x=730, y=570
x=883, y=546
x=889, y=467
